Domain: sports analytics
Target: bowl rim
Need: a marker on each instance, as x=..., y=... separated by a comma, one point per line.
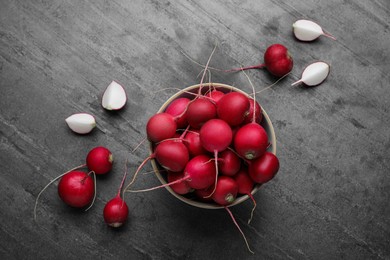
x=200, y=204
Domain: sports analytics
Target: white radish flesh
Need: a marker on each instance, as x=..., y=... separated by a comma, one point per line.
x=306, y=30
x=114, y=97
x=81, y=123
x=314, y=74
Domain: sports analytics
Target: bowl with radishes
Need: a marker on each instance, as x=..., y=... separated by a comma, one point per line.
x=212, y=145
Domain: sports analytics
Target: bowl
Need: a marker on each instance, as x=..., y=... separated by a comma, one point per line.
x=265, y=123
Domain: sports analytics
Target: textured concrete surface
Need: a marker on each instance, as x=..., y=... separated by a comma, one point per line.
x=330, y=199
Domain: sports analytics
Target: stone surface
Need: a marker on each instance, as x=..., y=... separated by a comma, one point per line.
x=330, y=199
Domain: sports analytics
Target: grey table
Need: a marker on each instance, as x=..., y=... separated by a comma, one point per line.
x=330, y=199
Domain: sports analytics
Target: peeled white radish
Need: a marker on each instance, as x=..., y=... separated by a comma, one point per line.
x=314, y=74
x=114, y=97
x=306, y=30
x=81, y=123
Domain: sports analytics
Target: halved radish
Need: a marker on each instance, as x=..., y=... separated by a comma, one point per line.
x=314, y=74
x=114, y=97
x=81, y=123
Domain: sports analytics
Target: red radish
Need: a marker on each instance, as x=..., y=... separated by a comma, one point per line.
x=177, y=108
x=115, y=211
x=254, y=108
x=181, y=187
x=264, y=168
x=172, y=155
x=215, y=95
x=251, y=141
x=229, y=163
x=200, y=172
x=277, y=60
x=76, y=189
x=233, y=107
x=199, y=111
x=192, y=141
x=100, y=160
x=215, y=136
x=161, y=126
x=114, y=97
x=226, y=191
x=245, y=186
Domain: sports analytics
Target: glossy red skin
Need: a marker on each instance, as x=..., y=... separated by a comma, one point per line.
x=172, y=155
x=76, y=189
x=226, y=191
x=200, y=111
x=193, y=144
x=180, y=187
x=215, y=135
x=244, y=181
x=200, y=172
x=215, y=95
x=115, y=212
x=99, y=160
x=253, y=108
x=176, y=108
x=264, y=168
x=228, y=163
x=232, y=108
x=277, y=60
x=160, y=126
x=251, y=141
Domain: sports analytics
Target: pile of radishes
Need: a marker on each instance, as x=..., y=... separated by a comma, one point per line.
x=212, y=146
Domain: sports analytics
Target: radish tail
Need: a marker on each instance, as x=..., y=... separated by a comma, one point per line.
x=56, y=178
x=296, y=82
x=239, y=229
x=161, y=186
x=216, y=174
x=136, y=173
x=205, y=70
x=260, y=66
x=326, y=34
x=254, y=207
x=94, y=195
x=138, y=145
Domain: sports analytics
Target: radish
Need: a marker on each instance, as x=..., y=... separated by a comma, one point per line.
x=226, y=191
x=182, y=187
x=114, y=97
x=229, y=163
x=254, y=108
x=264, y=168
x=215, y=95
x=277, y=60
x=215, y=136
x=204, y=194
x=193, y=144
x=100, y=160
x=306, y=30
x=116, y=211
x=76, y=189
x=245, y=186
x=160, y=126
x=81, y=123
x=314, y=74
x=251, y=141
x=172, y=155
x=177, y=108
x=200, y=173
x=233, y=107
x=199, y=111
